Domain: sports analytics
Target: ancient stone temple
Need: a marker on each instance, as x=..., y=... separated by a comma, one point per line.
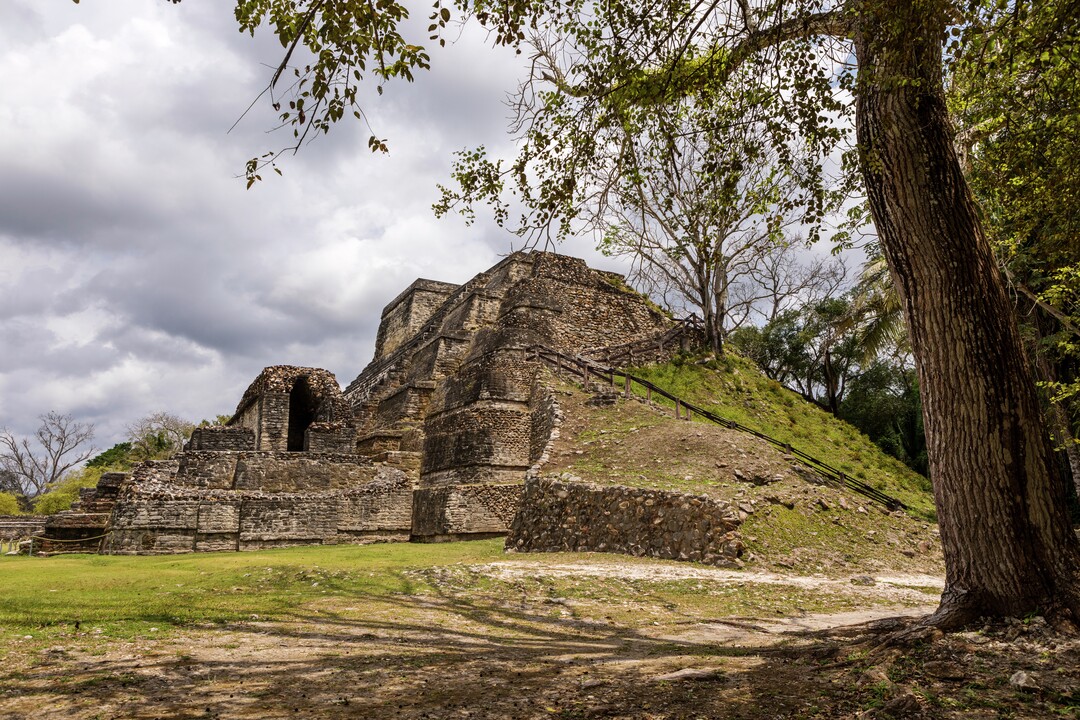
x=432, y=441
x=451, y=380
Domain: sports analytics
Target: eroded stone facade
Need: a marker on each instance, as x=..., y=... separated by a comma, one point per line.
x=463, y=392
x=284, y=471
x=432, y=441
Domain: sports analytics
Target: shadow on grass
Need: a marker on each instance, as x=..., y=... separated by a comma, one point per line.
x=434, y=656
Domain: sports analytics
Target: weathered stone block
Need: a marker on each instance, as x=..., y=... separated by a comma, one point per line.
x=465, y=510
x=220, y=437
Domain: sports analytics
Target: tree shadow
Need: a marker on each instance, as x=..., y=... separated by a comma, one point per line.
x=442, y=656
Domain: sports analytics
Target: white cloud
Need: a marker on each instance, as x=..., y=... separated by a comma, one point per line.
x=136, y=272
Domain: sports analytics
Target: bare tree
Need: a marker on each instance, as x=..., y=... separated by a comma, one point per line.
x=707, y=218
x=693, y=234
x=158, y=436
x=59, y=444
x=779, y=281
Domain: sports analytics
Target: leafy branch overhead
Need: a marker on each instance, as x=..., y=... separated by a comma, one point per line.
x=333, y=50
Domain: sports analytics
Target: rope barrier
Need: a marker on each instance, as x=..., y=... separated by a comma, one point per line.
x=35, y=538
x=58, y=540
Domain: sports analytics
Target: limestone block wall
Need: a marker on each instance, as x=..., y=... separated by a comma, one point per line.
x=408, y=312
x=17, y=527
x=161, y=518
x=462, y=445
x=574, y=307
x=480, y=426
x=210, y=470
x=154, y=471
x=330, y=438
x=438, y=358
x=380, y=442
x=408, y=402
x=220, y=437
x=269, y=416
x=464, y=511
x=474, y=310
x=285, y=400
x=511, y=269
x=248, y=417
x=545, y=418
x=561, y=516
x=301, y=472
x=290, y=472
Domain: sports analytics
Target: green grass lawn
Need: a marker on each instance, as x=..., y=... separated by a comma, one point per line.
x=124, y=596
x=137, y=597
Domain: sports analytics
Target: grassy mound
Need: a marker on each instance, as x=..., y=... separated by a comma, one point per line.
x=790, y=521
x=737, y=390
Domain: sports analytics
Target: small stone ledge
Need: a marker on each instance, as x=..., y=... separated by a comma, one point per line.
x=568, y=516
x=221, y=438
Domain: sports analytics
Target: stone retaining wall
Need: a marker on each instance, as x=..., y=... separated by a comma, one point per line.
x=334, y=438
x=566, y=516
x=220, y=437
x=289, y=472
x=450, y=513
x=159, y=518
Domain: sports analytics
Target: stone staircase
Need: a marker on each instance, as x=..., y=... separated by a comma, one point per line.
x=83, y=528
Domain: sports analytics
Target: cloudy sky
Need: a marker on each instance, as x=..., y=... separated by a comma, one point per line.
x=136, y=272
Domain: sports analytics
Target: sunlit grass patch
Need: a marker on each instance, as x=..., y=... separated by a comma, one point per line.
x=122, y=596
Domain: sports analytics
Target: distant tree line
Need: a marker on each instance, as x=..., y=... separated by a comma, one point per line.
x=44, y=473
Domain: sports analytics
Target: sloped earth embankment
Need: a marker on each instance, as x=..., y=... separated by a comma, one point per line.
x=792, y=521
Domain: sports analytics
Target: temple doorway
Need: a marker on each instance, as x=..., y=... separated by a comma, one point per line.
x=302, y=408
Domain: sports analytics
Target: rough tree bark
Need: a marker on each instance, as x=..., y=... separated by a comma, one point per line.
x=1009, y=548
x=1058, y=419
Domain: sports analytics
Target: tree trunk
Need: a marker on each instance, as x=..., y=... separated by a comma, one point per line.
x=712, y=338
x=1059, y=421
x=719, y=302
x=713, y=322
x=1009, y=548
x=831, y=383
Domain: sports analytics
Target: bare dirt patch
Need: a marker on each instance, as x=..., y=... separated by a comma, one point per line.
x=513, y=640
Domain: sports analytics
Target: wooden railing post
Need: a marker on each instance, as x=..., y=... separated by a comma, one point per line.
x=626, y=388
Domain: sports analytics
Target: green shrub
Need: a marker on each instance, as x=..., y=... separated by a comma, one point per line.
x=62, y=494
x=9, y=504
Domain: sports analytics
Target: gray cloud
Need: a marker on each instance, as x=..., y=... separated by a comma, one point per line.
x=137, y=273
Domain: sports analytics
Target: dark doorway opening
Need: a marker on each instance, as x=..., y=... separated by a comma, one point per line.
x=302, y=407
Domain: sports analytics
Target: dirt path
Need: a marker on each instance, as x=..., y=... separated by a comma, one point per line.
x=896, y=587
